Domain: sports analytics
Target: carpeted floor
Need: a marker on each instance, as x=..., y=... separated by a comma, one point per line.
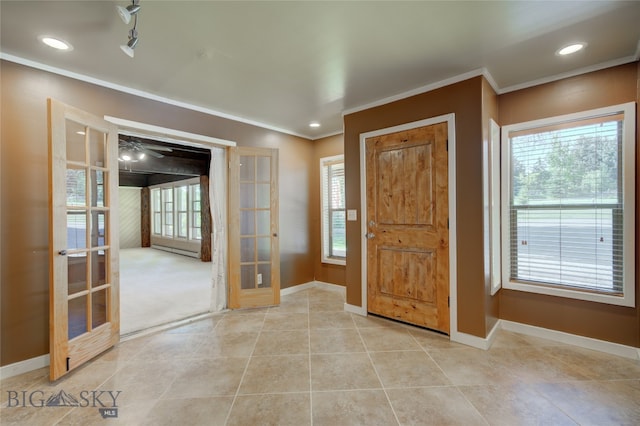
x=157, y=287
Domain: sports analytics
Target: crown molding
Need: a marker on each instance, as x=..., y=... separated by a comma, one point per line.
x=143, y=94
x=423, y=89
x=574, y=73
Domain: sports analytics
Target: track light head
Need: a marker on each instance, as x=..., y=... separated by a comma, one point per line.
x=131, y=44
x=127, y=12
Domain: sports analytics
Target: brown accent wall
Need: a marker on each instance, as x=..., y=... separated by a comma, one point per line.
x=465, y=100
x=489, y=111
x=325, y=272
x=588, y=91
x=24, y=190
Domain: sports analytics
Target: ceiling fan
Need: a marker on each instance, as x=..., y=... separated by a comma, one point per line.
x=133, y=150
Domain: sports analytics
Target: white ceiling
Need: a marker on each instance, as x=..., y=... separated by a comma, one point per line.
x=285, y=64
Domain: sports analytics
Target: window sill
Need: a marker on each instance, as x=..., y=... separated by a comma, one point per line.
x=335, y=261
x=627, y=300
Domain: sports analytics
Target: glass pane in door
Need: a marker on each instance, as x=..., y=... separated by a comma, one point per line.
x=264, y=272
x=77, y=273
x=248, y=277
x=75, y=138
x=98, y=228
x=97, y=147
x=263, y=169
x=97, y=188
x=76, y=229
x=99, y=267
x=247, y=168
x=77, y=316
x=99, y=308
x=76, y=186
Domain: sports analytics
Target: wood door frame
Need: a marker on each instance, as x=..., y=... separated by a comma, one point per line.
x=179, y=137
x=454, y=335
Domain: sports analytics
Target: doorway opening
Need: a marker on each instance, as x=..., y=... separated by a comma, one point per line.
x=215, y=186
x=165, y=263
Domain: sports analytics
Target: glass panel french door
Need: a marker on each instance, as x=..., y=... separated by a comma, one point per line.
x=84, y=307
x=254, y=258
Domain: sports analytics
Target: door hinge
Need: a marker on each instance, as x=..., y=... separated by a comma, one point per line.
x=447, y=223
x=449, y=301
x=447, y=144
x=68, y=363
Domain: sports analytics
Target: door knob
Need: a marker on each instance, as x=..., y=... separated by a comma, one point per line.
x=370, y=235
x=62, y=252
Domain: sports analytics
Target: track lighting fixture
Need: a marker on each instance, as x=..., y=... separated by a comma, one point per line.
x=126, y=13
x=131, y=44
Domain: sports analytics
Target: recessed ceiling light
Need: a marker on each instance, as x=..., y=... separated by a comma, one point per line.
x=572, y=48
x=314, y=124
x=56, y=43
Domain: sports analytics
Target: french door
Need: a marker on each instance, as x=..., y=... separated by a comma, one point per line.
x=254, y=259
x=83, y=236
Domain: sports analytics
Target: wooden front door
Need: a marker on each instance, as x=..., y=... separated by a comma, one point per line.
x=407, y=226
x=254, y=256
x=84, y=312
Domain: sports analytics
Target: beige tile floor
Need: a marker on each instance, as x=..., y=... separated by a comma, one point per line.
x=308, y=362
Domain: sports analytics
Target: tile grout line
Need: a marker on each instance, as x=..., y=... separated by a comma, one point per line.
x=244, y=373
x=395, y=415
x=448, y=378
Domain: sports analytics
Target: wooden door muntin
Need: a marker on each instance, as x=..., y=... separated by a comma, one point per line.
x=83, y=234
x=253, y=228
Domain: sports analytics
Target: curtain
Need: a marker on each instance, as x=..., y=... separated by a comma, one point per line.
x=218, y=197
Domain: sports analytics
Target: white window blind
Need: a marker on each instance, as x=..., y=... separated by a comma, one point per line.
x=334, y=248
x=570, y=204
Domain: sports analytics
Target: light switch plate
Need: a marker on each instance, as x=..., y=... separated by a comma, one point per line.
x=352, y=214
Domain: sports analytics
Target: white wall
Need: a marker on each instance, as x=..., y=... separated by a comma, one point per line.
x=129, y=217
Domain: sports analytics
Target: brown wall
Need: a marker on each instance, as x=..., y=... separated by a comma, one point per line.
x=24, y=190
x=463, y=99
x=325, y=272
x=489, y=111
x=594, y=90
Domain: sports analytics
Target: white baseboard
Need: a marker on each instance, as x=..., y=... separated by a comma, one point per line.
x=176, y=251
x=572, y=339
x=330, y=286
x=25, y=366
x=475, y=341
x=312, y=284
x=296, y=288
x=359, y=310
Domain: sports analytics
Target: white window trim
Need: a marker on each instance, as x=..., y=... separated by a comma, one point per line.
x=173, y=185
x=628, y=190
x=491, y=189
x=325, y=258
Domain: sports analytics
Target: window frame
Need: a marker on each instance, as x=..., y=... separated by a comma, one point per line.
x=172, y=188
x=324, y=210
x=628, y=182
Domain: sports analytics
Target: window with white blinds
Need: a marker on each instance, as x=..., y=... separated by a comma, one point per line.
x=334, y=215
x=569, y=205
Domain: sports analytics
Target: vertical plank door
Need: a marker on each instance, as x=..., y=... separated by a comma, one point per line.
x=407, y=226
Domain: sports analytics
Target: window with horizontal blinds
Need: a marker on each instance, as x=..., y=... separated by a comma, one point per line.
x=569, y=204
x=332, y=182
